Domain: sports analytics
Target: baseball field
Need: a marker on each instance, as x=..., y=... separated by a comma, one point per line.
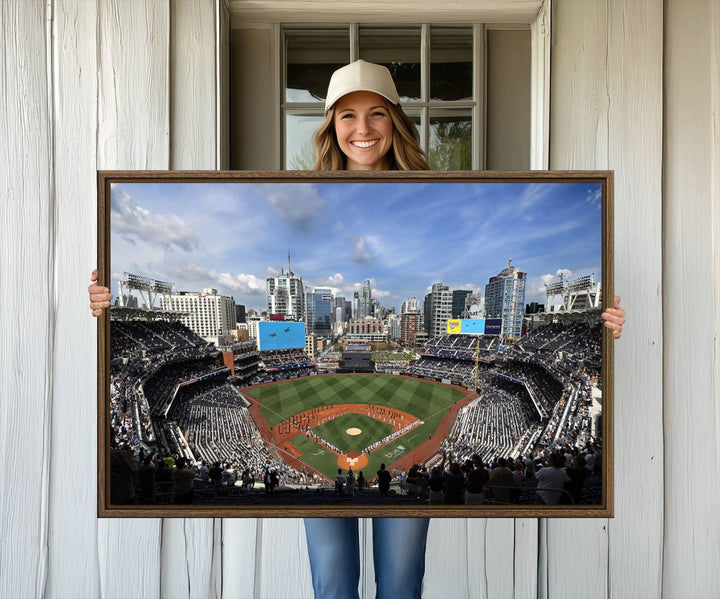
x=349, y=413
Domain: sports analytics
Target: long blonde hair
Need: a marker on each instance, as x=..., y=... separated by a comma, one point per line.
x=404, y=155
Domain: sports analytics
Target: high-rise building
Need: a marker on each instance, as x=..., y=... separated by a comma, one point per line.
x=355, y=305
x=286, y=295
x=240, y=313
x=319, y=312
x=427, y=310
x=458, y=302
x=440, y=309
x=393, y=326
x=365, y=305
x=409, y=305
x=339, y=309
x=206, y=313
x=505, y=298
x=409, y=327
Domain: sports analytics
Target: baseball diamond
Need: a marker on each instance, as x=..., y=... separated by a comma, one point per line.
x=309, y=422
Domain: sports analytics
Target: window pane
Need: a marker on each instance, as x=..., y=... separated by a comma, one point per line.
x=311, y=57
x=450, y=145
x=415, y=117
x=299, y=150
x=399, y=51
x=451, y=56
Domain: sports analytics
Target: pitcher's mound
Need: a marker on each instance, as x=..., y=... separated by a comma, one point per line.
x=353, y=431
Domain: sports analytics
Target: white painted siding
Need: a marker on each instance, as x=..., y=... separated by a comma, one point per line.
x=690, y=296
x=606, y=112
x=116, y=84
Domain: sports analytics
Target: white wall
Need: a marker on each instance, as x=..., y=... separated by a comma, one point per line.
x=635, y=87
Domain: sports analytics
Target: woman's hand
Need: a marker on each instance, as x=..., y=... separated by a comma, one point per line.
x=615, y=318
x=99, y=296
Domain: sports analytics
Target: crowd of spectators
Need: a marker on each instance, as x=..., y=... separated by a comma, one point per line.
x=564, y=475
x=496, y=423
x=169, y=393
x=533, y=394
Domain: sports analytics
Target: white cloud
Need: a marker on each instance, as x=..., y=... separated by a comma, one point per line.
x=299, y=206
x=335, y=280
x=361, y=251
x=135, y=223
x=594, y=197
x=474, y=289
x=563, y=272
x=334, y=283
x=239, y=283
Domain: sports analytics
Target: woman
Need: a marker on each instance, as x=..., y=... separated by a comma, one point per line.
x=365, y=129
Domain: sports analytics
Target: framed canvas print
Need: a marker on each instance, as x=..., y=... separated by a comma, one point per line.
x=355, y=344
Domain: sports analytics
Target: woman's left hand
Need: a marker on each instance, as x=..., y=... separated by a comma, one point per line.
x=615, y=318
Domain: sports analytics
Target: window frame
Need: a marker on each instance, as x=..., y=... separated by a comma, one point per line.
x=263, y=14
x=476, y=106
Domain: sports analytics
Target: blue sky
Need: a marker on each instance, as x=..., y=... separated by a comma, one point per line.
x=402, y=236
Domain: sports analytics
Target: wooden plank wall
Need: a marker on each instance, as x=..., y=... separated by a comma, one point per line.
x=606, y=112
x=691, y=298
x=635, y=87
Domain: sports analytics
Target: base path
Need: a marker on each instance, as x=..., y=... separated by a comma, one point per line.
x=279, y=436
x=426, y=450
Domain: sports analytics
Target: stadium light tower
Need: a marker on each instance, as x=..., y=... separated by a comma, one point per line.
x=555, y=289
x=148, y=288
x=582, y=293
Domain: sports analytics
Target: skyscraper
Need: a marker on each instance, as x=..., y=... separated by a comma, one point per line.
x=409, y=327
x=440, y=309
x=339, y=309
x=319, y=312
x=286, y=295
x=365, y=306
x=458, y=302
x=427, y=310
x=409, y=305
x=505, y=298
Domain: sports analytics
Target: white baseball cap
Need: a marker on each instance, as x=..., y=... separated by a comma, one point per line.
x=361, y=76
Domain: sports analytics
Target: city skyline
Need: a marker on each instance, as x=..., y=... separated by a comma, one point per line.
x=403, y=236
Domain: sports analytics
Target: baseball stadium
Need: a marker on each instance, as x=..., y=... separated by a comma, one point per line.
x=262, y=419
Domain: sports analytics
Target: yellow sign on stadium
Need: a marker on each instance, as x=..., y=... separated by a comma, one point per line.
x=453, y=326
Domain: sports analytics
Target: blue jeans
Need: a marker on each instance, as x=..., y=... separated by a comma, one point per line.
x=398, y=553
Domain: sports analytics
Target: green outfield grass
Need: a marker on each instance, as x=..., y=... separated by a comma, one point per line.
x=420, y=398
x=334, y=431
x=317, y=456
x=425, y=400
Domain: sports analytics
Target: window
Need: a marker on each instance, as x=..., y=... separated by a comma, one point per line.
x=467, y=87
x=433, y=68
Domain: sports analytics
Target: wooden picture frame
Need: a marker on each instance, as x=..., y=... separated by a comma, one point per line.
x=230, y=232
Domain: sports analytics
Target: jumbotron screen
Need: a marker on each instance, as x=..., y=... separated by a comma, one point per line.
x=466, y=326
x=281, y=335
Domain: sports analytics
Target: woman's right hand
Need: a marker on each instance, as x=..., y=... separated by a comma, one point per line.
x=99, y=296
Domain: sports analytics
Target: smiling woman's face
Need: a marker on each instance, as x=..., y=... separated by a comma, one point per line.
x=364, y=130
